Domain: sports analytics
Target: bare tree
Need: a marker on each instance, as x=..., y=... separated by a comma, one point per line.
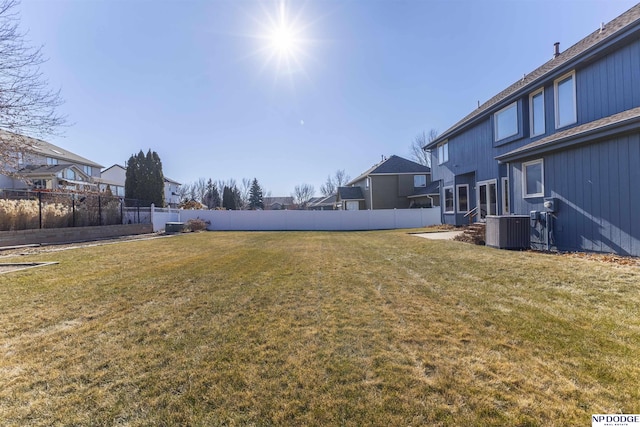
x=199, y=189
x=418, y=154
x=27, y=106
x=339, y=179
x=302, y=194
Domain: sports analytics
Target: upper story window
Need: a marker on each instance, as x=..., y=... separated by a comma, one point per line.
x=86, y=169
x=536, y=113
x=443, y=152
x=69, y=174
x=506, y=122
x=533, y=178
x=565, y=100
x=367, y=182
x=52, y=161
x=420, y=180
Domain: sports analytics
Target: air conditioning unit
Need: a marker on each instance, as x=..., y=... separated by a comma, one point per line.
x=508, y=231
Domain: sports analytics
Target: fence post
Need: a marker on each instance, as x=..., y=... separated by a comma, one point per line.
x=40, y=207
x=151, y=212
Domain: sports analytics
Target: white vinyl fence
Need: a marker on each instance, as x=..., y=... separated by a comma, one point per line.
x=301, y=220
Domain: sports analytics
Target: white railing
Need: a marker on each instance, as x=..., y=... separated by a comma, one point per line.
x=340, y=220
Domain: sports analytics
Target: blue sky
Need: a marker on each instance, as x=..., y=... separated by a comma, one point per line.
x=201, y=83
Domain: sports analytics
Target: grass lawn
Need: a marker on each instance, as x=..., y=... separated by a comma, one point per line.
x=360, y=328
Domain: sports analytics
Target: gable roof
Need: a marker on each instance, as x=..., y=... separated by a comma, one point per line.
x=46, y=149
x=393, y=165
x=614, y=124
x=432, y=189
x=556, y=65
x=350, y=193
x=269, y=201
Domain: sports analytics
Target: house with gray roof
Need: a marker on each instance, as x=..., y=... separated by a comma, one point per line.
x=561, y=145
x=43, y=165
x=394, y=183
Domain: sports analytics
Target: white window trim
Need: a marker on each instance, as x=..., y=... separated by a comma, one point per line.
x=445, y=150
x=531, y=123
x=571, y=74
x=504, y=184
x=524, y=178
x=495, y=122
x=414, y=180
x=444, y=197
x=458, y=198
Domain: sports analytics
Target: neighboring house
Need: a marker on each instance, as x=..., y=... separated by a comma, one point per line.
x=115, y=177
x=42, y=165
x=277, y=203
x=323, y=203
x=171, y=197
x=567, y=133
x=394, y=183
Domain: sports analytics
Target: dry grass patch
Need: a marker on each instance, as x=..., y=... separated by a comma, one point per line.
x=317, y=329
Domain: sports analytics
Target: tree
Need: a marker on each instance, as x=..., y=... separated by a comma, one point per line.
x=230, y=197
x=419, y=155
x=144, y=179
x=212, y=196
x=302, y=194
x=255, y=196
x=27, y=106
x=333, y=182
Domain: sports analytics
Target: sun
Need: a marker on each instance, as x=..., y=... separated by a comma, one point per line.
x=283, y=40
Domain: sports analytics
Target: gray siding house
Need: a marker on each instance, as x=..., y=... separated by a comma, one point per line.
x=41, y=165
x=561, y=145
x=394, y=183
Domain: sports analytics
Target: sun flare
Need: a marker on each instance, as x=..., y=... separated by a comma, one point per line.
x=283, y=40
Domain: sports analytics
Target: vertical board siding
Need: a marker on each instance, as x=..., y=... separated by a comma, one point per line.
x=595, y=186
x=609, y=85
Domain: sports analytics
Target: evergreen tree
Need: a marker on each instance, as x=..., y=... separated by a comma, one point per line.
x=228, y=198
x=144, y=179
x=255, y=196
x=212, y=196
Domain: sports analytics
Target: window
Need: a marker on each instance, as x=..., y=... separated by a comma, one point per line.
x=70, y=174
x=565, y=100
x=367, y=182
x=505, y=196
x=52, y=161
x=448, y=200
x=463, y=198
x=536, y=113
x=420, y=180
x=533, y=178
x=443, y=152
x=506, y=122
x=86, y=169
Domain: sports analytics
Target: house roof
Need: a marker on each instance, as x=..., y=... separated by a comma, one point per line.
x=393, y=165
x=323, y=201
x=33, y=170
x=47, y=149
x=556, y=65
x=269, y=201
x=113, y=167
x=171, y=181
x=350, y=193
x=616, y=123
x=432, y=189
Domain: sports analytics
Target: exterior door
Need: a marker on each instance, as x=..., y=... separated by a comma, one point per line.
x=487, y=199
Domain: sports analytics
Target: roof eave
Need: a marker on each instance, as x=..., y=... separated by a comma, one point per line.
x=592, y=135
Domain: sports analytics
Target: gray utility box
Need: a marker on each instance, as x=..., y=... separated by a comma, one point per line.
x=508, y=231
x=174, y=227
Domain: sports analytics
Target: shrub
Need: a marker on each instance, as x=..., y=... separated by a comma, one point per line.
x=197, y=224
